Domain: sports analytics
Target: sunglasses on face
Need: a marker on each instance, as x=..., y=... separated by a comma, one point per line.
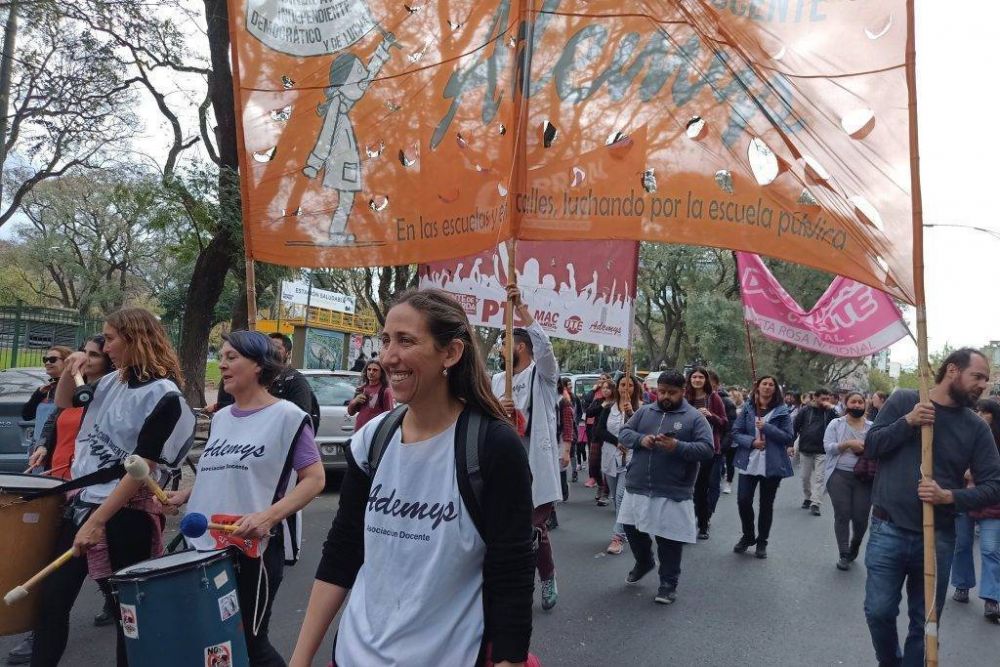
x=51, y=360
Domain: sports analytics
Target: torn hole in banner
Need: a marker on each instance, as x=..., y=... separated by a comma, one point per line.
x=378, y=203
x=696, y=127
x=281, y=115
x=512, y=41
x=407, y=158
x=882, y=264
x=413, y=7
x=858, y=123
x=502, y=189
x=616, y=137
x=867, y=212
x=879, y=29
x=265, y=156
x=455, y=24
x=763, y=161
x=295, y=213
x=808, y=199
x=463, y=143
x=549, y=133
x=287, y=81
x=577, y=177
x=376, y=150
x=392, y=106
x=815, y=170
x=649, y=180
x=502, y=130
x=724, y=179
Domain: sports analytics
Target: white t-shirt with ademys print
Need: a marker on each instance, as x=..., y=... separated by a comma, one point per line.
x=418, y=598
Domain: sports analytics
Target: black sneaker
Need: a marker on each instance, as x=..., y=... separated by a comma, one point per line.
x=761, y=551
x=961, y=595
x=844, y=563
x=744, y=544
x=815, y=510
x=105, y=618
x=602, y=502
x=806, y=504
x=992, y=611
x=638, y=572
x=21, y=654
x=667, y=594
x=703, y=534
x=855, y=550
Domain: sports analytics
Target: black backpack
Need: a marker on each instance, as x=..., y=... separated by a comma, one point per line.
x=470, y=439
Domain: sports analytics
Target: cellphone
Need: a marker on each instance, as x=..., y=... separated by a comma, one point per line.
x=670, y=434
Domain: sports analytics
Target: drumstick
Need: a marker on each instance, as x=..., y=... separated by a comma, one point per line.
x=194, y=524
x=20, y=592
x=138, y=469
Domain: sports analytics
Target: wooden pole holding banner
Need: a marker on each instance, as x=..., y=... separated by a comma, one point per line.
x=923, y=367
x=244, y=174
x=508, y=345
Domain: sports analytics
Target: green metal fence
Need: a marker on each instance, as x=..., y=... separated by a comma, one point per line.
x=26, y=332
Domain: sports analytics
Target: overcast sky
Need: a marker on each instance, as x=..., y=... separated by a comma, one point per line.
x=957, y=105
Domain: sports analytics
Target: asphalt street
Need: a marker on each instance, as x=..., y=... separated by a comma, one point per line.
x=795, y=608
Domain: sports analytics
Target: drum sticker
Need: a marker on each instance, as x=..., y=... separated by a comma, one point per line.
x=130, y=623
x=229, y=605
x=219, y=655
x=221, y=579
x=30, y=517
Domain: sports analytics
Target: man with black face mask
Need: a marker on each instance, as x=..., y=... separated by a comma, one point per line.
x=962, y=441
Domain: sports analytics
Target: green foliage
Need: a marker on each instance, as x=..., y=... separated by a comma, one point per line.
x=879, y=381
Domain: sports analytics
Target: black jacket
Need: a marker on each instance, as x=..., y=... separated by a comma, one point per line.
x=727, y=433
x=810, y=427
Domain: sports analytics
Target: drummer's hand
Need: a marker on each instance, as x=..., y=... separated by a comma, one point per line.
x=174, y=500
x=91, y=534
x=257, y=525
x=37, y=457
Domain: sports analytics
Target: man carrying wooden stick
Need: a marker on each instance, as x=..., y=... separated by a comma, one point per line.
x=962, y=441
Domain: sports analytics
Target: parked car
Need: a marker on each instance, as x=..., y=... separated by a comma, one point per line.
x=582, y=383
x=16, y=387
x=334, y=390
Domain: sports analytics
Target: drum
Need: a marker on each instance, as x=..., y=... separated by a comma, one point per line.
x=182, y=609
x=30, y=531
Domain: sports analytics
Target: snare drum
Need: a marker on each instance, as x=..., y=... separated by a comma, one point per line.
x=182, y=609
x=30, y=531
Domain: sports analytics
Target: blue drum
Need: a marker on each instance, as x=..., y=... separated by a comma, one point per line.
x=182, y=609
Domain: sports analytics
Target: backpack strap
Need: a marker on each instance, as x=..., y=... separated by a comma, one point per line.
x=383, y=434
x=531, y=401
x=470, y=439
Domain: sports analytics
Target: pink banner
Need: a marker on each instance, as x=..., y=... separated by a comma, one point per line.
x=579, y=290
x=849, y=320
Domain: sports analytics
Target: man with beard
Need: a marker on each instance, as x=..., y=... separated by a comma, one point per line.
x=535, y=396
x=962, y=441
x=669, y=438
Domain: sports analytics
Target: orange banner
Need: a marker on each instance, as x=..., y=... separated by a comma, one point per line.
x=389, y=133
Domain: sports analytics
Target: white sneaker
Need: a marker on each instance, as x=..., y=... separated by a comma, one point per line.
x=728, y=488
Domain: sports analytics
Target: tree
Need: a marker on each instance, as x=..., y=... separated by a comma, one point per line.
x=92, y=236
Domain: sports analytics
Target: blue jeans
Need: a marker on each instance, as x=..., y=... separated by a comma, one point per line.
x=896, y=556
x=963, y=571
x=616, y=487
x=989, y=546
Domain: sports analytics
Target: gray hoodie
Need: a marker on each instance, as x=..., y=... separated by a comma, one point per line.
x=657, y=473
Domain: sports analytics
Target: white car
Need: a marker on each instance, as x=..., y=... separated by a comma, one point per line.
x=334, y=390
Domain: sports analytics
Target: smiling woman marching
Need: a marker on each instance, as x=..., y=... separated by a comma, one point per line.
x=762, y=434
x=439, y=573
x=229, y=481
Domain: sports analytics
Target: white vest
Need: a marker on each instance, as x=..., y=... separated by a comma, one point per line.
x=243, y=463
x=111, y=425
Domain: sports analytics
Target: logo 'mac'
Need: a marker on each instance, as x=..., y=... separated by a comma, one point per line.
x=546, y=319
x=574, y=325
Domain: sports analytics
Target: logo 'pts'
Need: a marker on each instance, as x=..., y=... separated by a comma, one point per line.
x=574, y=325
